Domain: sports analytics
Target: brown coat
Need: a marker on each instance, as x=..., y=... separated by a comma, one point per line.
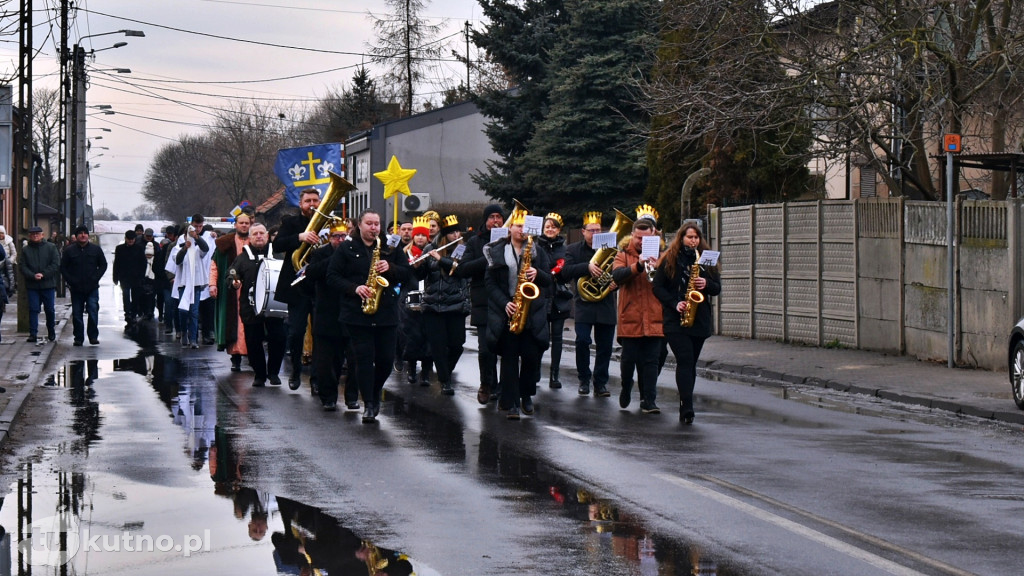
x=639, y=311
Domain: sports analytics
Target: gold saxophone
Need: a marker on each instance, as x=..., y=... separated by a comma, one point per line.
x=596, y=289
x=526, y=292
x=374, y=282
x=693, y=296
x=322, y=218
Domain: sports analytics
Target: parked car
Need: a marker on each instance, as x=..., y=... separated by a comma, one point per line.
x=1016, y=363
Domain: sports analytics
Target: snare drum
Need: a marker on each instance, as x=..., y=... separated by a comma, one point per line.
x=414, y=301
x=266, y=287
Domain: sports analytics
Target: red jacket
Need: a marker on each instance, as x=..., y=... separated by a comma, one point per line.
x=639, y=311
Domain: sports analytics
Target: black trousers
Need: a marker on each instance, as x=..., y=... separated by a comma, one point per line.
x=487, y=361
x=643, y=353
x=207, y=313
x=298, y=316
x=271, y=331
x=627, y=365
x=373, y=353
x=687, y=350
x=130, y=300
x=447, y=331
x=520, y=356
x=329, y=354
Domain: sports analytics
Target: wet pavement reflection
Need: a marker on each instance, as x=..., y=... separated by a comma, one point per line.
x=160, y=482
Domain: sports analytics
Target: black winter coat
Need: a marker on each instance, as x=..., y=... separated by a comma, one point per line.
x=349, y=268
x=287, y=242
x=129, y=264
x=247, y=269
x=473, y=267
x=577, y=265
x=327, y=307
x=498, y=296
x=82, y=267
x=561, y=301
x=671, y=291
x=442, y=293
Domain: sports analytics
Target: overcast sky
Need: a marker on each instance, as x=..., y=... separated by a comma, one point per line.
x=199, y=56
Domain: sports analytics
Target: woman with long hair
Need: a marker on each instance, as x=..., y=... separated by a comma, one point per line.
x=553, y=243
x=671, y=282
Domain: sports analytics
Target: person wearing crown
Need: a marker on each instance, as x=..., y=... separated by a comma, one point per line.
x=412, y=329
x=445, y=303
x=640, y=316
x=553, y=243
x=590, y=317
x=520, y=353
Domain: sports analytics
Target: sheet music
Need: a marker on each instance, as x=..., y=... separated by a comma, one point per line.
x=650, y=247
x=533, y=225
x=394, y=240
x=709, y=257
x=498, y=233
x=605, y=240
x=458, y=252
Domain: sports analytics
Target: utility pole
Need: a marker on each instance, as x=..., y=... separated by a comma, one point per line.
x=65, y=125
x=76, y=155
x=467, y=57
x=22, y=181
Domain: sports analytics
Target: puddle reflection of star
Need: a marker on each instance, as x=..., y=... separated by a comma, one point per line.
x=395, y=178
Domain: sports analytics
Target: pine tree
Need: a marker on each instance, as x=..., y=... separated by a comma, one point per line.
x=405, y=46
x=584, y=154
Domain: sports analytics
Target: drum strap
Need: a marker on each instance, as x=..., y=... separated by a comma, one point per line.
x=270, y=251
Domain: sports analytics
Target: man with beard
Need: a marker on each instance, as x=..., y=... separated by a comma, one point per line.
x=372, y=334
x=82, y=264
x=474, y=266
x=258, y=329
x=290, y=236
x=229, y=330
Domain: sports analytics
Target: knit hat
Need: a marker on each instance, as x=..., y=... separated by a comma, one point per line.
x=81, y=229
x=493, y=209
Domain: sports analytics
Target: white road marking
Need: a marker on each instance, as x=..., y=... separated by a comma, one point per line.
x=800, y=530
x=569, y=434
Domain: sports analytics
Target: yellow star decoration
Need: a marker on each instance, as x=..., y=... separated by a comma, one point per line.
x=395, y=178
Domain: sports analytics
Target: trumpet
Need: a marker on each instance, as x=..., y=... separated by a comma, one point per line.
x=426, y=255
x=650, y=267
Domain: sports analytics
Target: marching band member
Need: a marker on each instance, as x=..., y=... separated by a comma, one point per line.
x=553, y=243
x=445, y=304
x=597, y=317
x=640, y=317
x=671, y=283
x=473, y=267
x=416, y=347
x=230, y=331
x=433, y=224
x=258, y=329
x=372, y=335
x=289, y=238
x=520, y=353
x=330, y=337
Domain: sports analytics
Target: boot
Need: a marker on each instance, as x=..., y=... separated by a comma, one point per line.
x=553, y=382
x=625, y=394
x=425, y=373
x=410, y=372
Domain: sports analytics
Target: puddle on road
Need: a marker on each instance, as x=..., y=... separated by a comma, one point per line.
x=180, y=504
x=185, y=502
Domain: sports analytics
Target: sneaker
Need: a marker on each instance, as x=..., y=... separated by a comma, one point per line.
x=352, y=405
x=584, y=389
x=601, y=391
x=275, y=380
x=649, y=408
x=624, y=395
x=195, y=345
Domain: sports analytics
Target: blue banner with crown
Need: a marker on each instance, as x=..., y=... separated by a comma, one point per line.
x=308, y=167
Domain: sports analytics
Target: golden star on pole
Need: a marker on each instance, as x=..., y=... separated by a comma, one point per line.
x=395, y=178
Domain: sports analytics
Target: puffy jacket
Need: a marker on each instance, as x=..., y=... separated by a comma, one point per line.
x=561, y=301
x=83, y=267
x=40, y=257
x=473, y=267
x=640, y=311
x=442, y=292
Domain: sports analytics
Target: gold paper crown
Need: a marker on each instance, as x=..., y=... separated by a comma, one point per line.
x=450, y=220
x=647, y=211
x=421, y=222
x=591, y=218
x=339, y=225
x=430, y=215
x=517, y=218
x=556, y=217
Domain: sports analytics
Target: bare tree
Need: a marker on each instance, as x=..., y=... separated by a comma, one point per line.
x=406, y=45
x=176, y=184
x=246, y=140
x=879, y=81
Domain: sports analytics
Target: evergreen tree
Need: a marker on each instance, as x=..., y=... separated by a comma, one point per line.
x=583, y=154
x=519, y=40
x=406, y=46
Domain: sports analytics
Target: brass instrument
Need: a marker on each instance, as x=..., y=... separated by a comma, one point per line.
x=693, y=296
x=526, y=292
x=320, y=220
x=596, y=289
x=374, y=282
x=651, y=268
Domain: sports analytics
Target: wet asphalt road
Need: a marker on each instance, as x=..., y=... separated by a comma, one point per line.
x=138, y=436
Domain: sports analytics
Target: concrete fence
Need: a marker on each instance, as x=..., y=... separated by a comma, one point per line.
x=872, y=274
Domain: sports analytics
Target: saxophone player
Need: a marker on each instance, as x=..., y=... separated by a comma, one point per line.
x=372, y=335
x=671, y=282
x=597, y=317
x=512, y=262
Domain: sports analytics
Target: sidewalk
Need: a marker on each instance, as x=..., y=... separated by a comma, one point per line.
x=21, y=362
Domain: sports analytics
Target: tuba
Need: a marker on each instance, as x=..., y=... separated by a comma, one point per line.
x=596, y=289
x=375, y=282
x=526, y=291
x=693, y=296
x=321, y=219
